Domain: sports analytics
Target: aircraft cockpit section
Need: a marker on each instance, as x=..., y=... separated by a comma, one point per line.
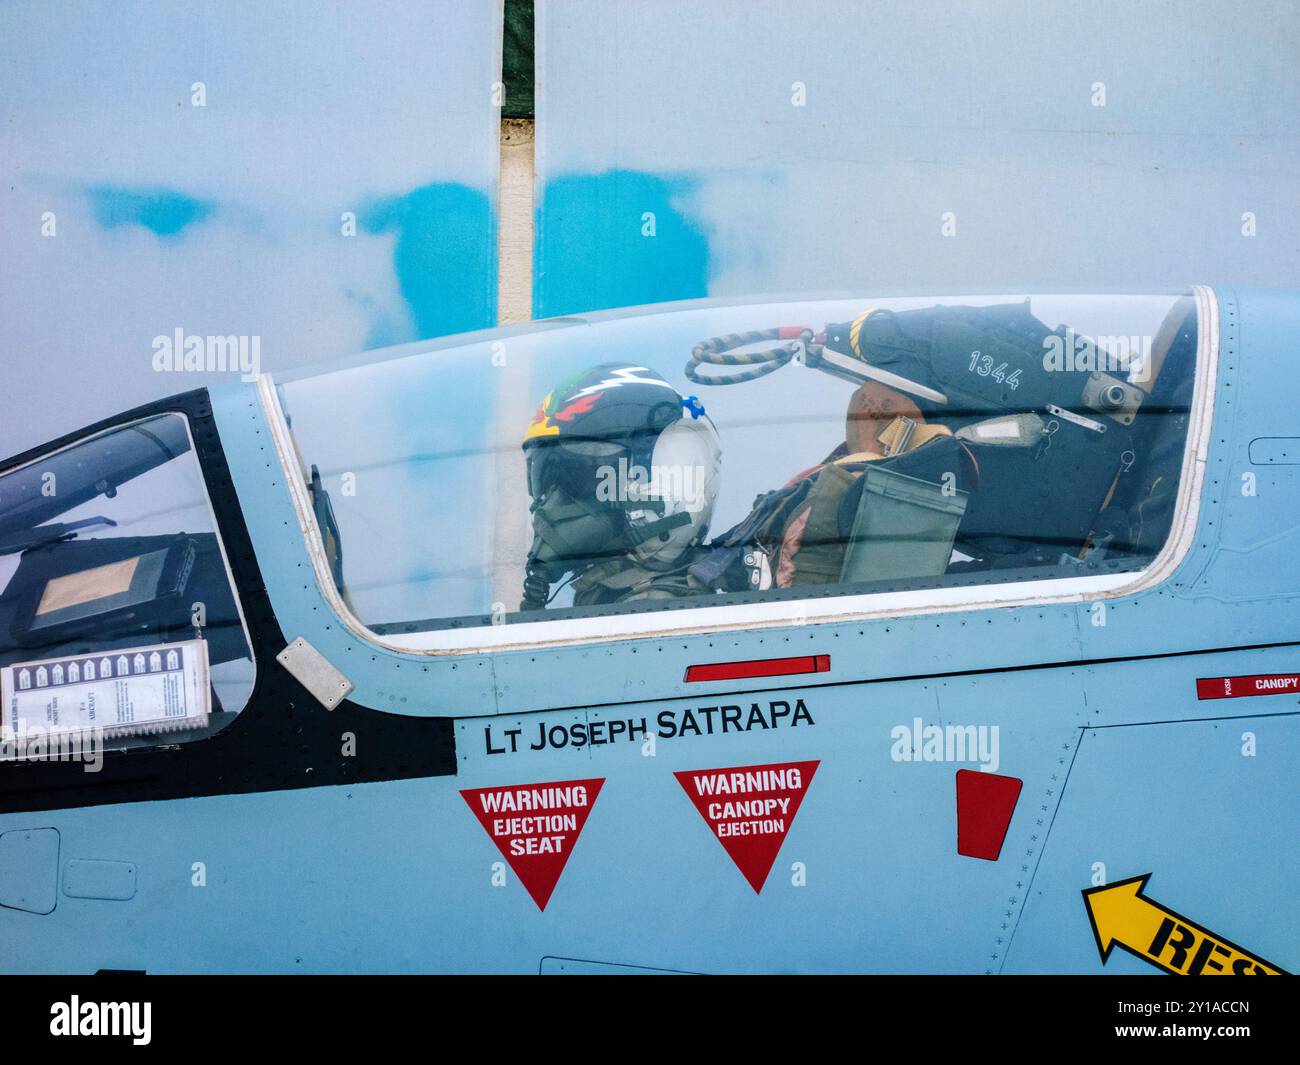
x=941, y=575
x=119, y=622
x=414, y=523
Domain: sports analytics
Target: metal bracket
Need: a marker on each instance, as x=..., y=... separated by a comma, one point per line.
x=1113, y=397
x=315, y=673
x=1077, y=419
x=859, y=371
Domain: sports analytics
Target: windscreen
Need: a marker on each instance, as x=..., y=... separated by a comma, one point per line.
x=729, y=454
x=119, y=624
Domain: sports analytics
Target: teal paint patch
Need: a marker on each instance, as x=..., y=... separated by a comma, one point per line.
x=164, y=212
x=595, y=251
x=445, y=258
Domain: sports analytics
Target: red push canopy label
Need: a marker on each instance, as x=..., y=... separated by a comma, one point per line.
x=749, y=809
x=535, y=827
x=1235, y=687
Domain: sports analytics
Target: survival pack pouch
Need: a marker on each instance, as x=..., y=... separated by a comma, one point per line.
x=807, y=528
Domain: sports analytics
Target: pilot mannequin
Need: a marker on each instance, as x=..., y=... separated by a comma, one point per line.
x=623, y=473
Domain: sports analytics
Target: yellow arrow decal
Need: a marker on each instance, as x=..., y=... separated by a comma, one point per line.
x=1121, y=914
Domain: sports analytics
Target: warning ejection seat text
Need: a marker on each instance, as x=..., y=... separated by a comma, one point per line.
x=535, y=826
x=542, y=833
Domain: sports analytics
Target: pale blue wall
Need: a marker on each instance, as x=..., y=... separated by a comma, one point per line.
x=913, y=109
x=226, y=219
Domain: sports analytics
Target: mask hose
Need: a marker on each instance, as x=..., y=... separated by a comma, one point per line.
x=720, y=351
x=537, y=588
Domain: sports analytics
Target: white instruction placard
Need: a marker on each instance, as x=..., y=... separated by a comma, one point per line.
x=124, y=692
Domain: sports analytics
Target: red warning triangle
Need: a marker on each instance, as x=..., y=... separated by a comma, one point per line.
x=750, y=809
x=535, y=826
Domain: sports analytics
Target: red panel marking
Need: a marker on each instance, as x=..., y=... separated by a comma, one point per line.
x=985, y=803
x=760, y=667
x=1236, y=687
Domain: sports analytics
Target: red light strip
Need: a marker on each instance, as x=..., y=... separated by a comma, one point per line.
x=1237, y=687
x=760, y=667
